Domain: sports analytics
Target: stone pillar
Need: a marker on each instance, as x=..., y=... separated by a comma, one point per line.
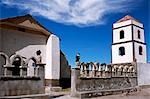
x=75, y=73
x=23, y=70
x=41, y=72
x=52, y=68
x=8, y=70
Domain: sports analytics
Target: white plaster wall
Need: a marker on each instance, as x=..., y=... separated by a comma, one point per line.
x=143, y=72
x=116, y=25
x=135, y=33
x=140, y=58
x=128, y=57
x=127, y=34
x=137, y=23
x=23, y=43
x=30, y=51
x=52, y=69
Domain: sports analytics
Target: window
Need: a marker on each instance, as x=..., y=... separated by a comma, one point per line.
x=139, y=34
x=121, y=34
x=121, y=51
x=140, y=50
x=21, y=29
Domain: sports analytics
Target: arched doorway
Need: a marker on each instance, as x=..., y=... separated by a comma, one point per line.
x=17, y=64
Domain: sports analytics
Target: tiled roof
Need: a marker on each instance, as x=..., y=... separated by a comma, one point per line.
x=19, y=20
x=127, y=17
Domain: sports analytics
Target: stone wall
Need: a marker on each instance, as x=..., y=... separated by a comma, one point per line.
x=143, y=73
x=83, y=84
x=20, y=86
x=93, y=84
x=65, y=72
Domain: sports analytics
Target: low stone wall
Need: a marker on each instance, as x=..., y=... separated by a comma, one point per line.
x=93, y=84
x=10, y=86
x=80, y=84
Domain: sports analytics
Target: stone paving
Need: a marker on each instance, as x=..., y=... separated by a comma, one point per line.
x=142, y=94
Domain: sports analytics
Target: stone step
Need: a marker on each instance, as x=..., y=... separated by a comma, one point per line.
x=33, y=96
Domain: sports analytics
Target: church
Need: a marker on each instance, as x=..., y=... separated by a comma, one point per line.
x=128, y=70
x=24, y=36
x=128, y=42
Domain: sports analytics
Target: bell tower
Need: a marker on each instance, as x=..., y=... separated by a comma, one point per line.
x=128, y=42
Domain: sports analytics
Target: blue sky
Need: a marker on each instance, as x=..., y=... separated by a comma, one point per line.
x=84, y=26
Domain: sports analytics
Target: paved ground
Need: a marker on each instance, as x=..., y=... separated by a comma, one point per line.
x=143, y=94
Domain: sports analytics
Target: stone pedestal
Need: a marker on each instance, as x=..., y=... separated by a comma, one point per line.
x=75, y=73
x=23, y=70
x=8, y=70
x=40, y=71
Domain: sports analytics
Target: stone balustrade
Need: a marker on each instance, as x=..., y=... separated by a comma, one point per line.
x=89, y=70
x=17, y=65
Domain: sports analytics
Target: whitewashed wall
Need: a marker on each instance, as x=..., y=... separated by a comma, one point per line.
x=127, y=34
x=137, y=23
x=116, y=25
x=140, y=58
x=135, y=33
x=23, y=43
x=17, y=41
x=30, y=51
x=52, y=69
x=128, y=57
x=143, y=72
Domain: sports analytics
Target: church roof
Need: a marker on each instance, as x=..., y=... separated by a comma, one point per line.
x=127, y=17
x=27, y=22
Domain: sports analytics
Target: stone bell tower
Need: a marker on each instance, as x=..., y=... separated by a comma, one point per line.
x=128, y=42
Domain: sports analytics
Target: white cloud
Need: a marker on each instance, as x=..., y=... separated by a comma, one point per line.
x=76, y=12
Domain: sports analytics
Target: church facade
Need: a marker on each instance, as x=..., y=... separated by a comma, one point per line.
x=128, y=42
x=23, y=35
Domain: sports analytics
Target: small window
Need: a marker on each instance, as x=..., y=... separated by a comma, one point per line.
x=121, y=34
x=139, y=34
x=121, y=51
x=21, y=29
x=140, y=50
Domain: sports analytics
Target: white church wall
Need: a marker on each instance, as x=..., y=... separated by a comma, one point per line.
x=135, y=33
x=22, y=42
x=124, y=23
x=127, y=34
x=128, y=57
x=140, y=58
x=137, y=23
x=143, y=73
x=52, y=69
x=30, y=51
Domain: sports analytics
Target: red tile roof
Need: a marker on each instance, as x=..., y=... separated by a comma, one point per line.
x=127, y=17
